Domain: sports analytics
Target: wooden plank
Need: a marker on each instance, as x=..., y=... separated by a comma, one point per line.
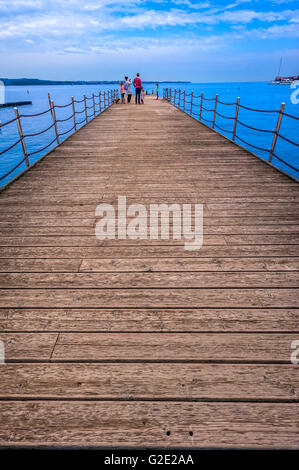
x=146, y=381
x=148, y=298
x=28, y=346
x=89, y=230
x=215, y=425
x=263, y=264
x=220, y=225
x=150, y=319
x=147, y=251
x=93, y=241
x=148, y=280
x=49, y=265
x=191, y=347
x=178, y=264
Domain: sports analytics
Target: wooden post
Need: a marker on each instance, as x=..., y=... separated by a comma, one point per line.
x=174, y=101
x=104, y=100
x=215, y=108
x=276, y=131
x=100, y=101
x=179, y=97
x=74, y=113
x=184, y=99
x=86, y=118
x=94, y=106
x=191, y=103
x=19, y=125
x=200, y=109
x=236, y=118
x=170, y=95
x=49, y=99
x=55, y=122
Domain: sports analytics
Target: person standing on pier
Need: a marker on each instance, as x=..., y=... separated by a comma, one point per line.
x=138, y=86
x=122, y=92
x=128, y=88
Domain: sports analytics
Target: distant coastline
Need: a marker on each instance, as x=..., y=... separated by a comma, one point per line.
x=36, y=81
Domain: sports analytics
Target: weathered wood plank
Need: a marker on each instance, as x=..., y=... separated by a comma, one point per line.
x=148, y=280
x=148, y=381
x=93, y=241
x=150, y=319
x=147, y=298
x=52, y=265
x=28, y=346
x=10, y=229
x=263, y=264
x=147, y=251
x=184, y=264
x=255, y=425
x=161, y=347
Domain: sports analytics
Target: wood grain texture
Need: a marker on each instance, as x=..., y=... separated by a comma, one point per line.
x=256, y=425
x=173, y=347
x=148, y=280
x=147, y=381
x=114, y=343
x=150, y=319
x=148, y=298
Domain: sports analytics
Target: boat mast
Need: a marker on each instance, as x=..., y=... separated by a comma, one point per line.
x=280, y=65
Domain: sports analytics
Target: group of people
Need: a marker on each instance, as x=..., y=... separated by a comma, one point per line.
x=125, y=88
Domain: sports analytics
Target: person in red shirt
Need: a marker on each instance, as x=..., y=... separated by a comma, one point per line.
x=138, y=87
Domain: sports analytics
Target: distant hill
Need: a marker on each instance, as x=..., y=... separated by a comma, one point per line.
x=36, y=81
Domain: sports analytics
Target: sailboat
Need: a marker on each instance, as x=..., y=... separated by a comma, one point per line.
x=279, y=80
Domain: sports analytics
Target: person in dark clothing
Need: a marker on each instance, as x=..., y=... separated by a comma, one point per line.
x=138, y=87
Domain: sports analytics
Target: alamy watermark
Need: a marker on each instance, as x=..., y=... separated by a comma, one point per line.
x=187, y=222
x=295, y=94
x=2, y=352
x=295, y=353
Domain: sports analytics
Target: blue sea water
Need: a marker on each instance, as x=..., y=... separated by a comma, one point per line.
x=257, y=95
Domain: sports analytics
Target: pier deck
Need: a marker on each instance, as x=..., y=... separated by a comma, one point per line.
x=142, y=343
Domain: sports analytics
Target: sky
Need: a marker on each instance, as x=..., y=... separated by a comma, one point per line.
x=208, y=41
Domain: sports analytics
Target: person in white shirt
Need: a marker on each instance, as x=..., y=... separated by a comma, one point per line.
x=128, y=88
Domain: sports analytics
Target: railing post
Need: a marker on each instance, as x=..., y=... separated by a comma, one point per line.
x=184, y=99
x=49, y=99
x=74, y=113
x=170, y=95
x=215, y=108
x=174, y=102
x=94, y=106
x=276, y=131
x=191, y=105
x=104, y=100
x=55, y=121
x=85, y=107
x=236, y=118
x=100, y=100
x=200, y=109
x=19, y=125
x=179, y=98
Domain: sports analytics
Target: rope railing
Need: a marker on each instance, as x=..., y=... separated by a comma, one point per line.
x=177, y=98
x=105, y=100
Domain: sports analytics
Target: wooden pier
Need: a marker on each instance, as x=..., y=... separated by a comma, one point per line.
x=123, y=343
